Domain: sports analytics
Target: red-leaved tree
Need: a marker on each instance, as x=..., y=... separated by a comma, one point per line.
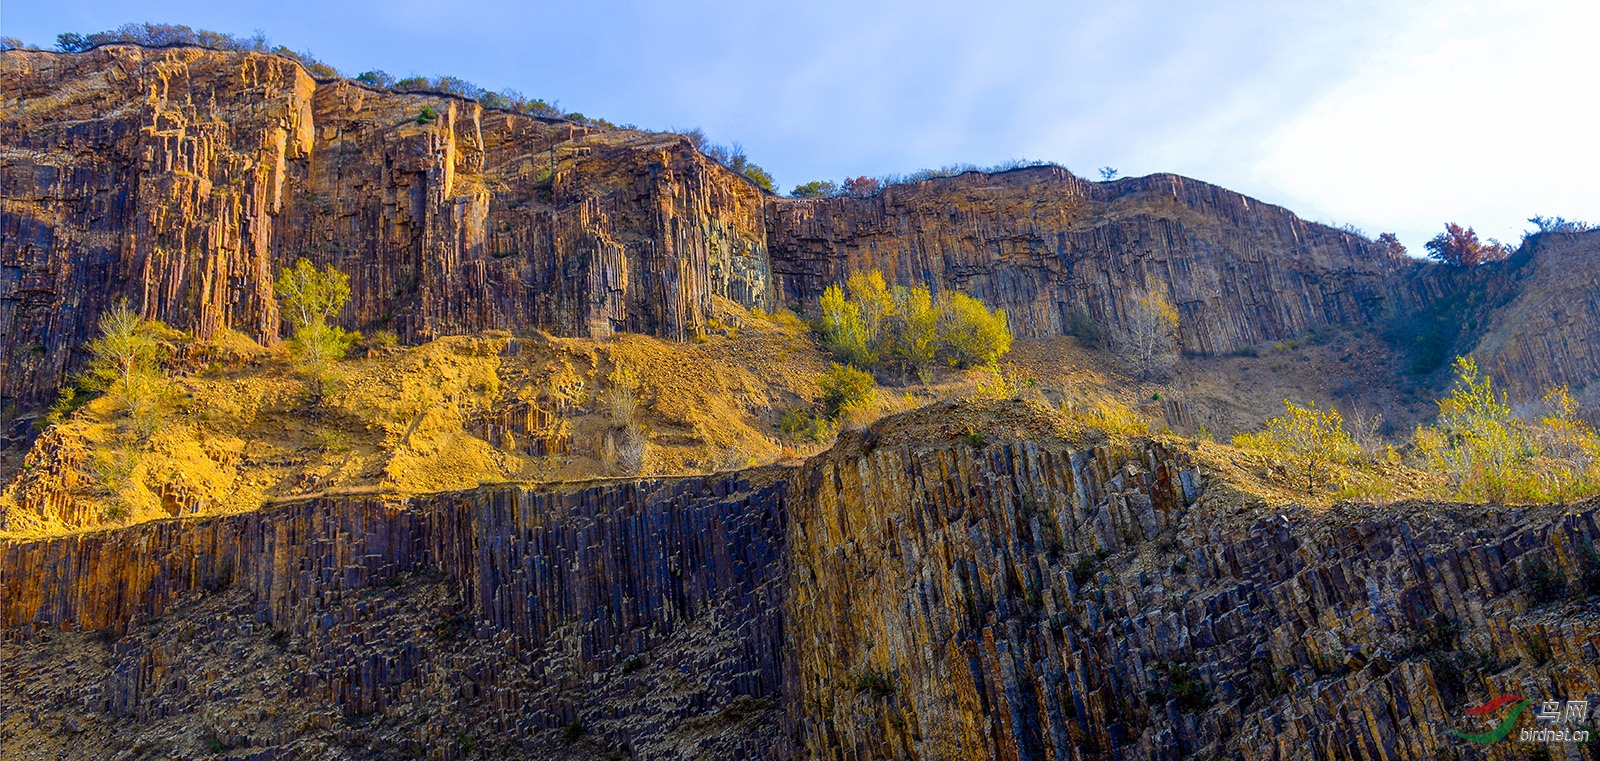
x=861, y=187
x=1392, y=245
x=1460, y=247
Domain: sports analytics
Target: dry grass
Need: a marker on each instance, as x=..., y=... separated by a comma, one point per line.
x=451, y=414
x=466, y=410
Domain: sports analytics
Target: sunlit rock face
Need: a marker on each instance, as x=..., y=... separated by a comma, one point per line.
x=1050, y=247
x=182, y=179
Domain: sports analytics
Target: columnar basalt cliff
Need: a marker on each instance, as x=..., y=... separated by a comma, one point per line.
x=649, y=612
x=1023, y=603
x=182, y=179
x=1548, y=332
x=909, y=595
x=1049, y=247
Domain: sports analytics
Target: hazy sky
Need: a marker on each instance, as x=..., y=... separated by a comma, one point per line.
x=1390, y=116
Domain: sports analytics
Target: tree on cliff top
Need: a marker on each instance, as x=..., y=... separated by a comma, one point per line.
x=730, y=156
x=815, y=189
x=1459, y=247
x=861, y=187
x=1391, y=245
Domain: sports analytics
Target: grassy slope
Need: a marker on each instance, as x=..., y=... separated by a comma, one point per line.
x=465, y=410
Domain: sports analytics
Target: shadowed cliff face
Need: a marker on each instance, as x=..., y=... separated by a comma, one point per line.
x=1548, y=332
x=648, y=613
x=906, y=596
x=1023, y=603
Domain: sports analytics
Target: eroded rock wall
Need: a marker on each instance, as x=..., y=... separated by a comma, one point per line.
x=647, y=612
x=1050, y=247
x=1024, y=603
x=929, y=599
x=183, y=179
x=153, y=176
x=1548, y=332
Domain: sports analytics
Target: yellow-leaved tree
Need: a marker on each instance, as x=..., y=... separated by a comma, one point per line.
x=1311, y=441
x=1148, y=337
x=1574, y=440
x=868, y=324
x=1476, y=443
x=309, y=297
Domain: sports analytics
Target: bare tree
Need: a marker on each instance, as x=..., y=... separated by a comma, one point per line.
x=1148, y=338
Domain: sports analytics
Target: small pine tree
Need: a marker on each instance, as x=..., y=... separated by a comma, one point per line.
x=124, y=363
x=123, y=351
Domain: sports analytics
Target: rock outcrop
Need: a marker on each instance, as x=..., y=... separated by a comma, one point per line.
x=183, y=179
x=1052, y=248
x=1548, y=332
x=648, y=613
x=1023, y=603
x=901, y=597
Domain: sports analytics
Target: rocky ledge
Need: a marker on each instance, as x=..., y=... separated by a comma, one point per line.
x=914, y=594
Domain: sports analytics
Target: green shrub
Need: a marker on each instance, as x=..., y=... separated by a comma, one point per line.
x=1188, y=690
x=844, y=388
x=1543, y=583
x=815, y=189
x=799, y=425
x=383, y=339
x=866, y=323
x=1085, y=329
x=427, y=116
x=759, y=176
x=1083, y=571
x=874, y=683
x=968, y=333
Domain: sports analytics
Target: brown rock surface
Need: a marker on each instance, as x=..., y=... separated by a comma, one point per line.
x=1548, y=334
x=1046, y=246
x=182, y=179
x=909, y=595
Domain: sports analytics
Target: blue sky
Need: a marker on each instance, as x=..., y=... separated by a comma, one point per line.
x=1389, y=116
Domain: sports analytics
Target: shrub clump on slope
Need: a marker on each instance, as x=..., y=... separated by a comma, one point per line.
x=872, y=326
